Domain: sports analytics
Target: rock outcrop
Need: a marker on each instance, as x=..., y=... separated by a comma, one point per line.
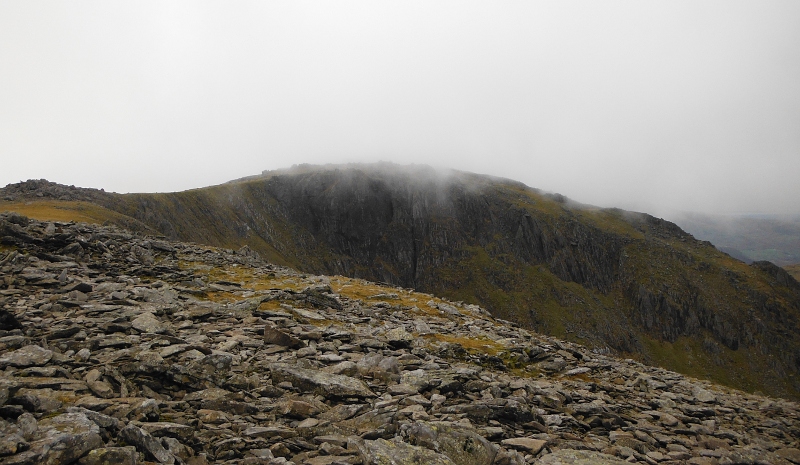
x=130, y=349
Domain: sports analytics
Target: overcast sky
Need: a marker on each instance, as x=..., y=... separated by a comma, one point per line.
x=690, y=105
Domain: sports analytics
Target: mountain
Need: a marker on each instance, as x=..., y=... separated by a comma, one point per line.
x=119, y=348
x=617, y=282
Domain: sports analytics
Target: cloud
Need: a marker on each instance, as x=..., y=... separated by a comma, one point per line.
x=651, y=105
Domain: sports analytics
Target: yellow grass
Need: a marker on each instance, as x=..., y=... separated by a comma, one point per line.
x=62, y=211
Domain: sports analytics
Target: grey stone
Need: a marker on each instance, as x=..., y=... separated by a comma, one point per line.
x=509, y=457
x=40, y=400
x=578, y=457
x=83, y=355
x=529, y=445
x=97, y=385
x=383, y=452
x=269, y=432
x=146, y=410
x=149, y=323
x=399, y=338
x=703, y=395
x=111, y=456
x=30, y=355
x=317, y=382
x=65, y=438
x=101, y=420
x=146, y=444
x=463, y=445
x=168, y=429
x=27, y=425
x=12, y=442
x=278, y=337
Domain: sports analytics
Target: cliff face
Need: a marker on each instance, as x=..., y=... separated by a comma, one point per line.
x=403, y=227
x=616, y=281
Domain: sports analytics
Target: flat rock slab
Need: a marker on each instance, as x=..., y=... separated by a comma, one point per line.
x=383, y=452
x=38, y=382
x=31, y=355
x=578, y=457
x=530, y=445
x=269, y=432
x=111, y=456
x=278, y=337
x=42, y=400
x=307, y=314
x=318, y=382
x=168, y=429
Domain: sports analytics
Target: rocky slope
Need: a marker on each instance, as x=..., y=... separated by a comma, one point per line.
x=118, y=348
x=618, y=282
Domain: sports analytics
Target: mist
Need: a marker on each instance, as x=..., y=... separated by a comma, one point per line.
x=647, y=106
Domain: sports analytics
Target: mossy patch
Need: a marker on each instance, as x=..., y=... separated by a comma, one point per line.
x=365, y=291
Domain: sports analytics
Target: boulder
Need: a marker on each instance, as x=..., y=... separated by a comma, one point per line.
x=463, y=445
x=318, y=382
x=149, y=323
x=64, y=439
x=383, y=452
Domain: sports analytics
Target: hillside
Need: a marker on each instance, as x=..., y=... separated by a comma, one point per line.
x=618, y=282
x=120, y=348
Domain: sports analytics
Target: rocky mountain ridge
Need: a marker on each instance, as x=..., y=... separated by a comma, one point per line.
x=120, y=348
x=618, y=282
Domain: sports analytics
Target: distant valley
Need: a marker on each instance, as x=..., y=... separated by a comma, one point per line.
x=793, y=270
x=748, y=237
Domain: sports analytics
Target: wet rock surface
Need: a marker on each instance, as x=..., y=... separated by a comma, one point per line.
x=121, y=348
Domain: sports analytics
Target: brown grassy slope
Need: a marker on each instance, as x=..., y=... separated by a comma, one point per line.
x=68, y=210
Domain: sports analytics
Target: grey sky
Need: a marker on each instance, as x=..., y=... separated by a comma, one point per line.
x=691, y=105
